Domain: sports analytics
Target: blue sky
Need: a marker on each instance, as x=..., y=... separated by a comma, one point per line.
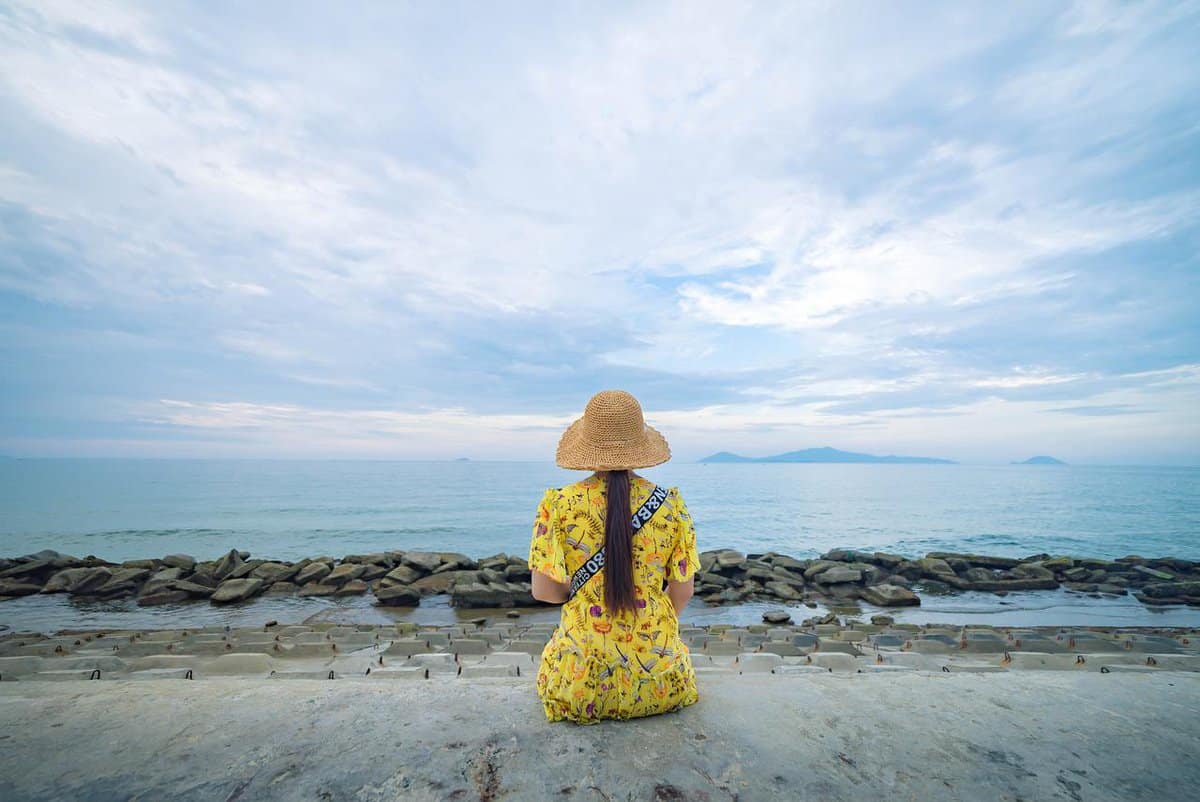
x=967, y=231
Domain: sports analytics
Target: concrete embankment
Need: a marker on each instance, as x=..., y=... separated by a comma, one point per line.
x=827, y=711
x=1038, y=735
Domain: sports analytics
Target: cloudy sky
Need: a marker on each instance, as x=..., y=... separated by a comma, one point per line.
x=256, y=229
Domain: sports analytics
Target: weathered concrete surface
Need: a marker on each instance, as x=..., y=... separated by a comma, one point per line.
x=919, y=736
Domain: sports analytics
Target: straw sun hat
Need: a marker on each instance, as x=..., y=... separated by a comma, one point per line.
x=611, y=436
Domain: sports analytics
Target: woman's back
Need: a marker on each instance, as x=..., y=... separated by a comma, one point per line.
x=604, y=663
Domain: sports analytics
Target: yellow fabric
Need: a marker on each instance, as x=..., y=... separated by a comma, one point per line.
x=600, y=665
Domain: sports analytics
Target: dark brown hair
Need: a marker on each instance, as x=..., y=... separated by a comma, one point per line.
x=618, y=544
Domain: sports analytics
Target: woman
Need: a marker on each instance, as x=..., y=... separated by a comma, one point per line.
x=628, y=548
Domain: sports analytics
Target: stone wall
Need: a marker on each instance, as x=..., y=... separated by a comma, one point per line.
x=402, y=578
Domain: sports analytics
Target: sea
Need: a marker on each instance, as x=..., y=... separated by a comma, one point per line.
x=290, y=509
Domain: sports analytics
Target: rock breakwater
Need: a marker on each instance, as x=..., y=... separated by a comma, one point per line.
x=726, y=576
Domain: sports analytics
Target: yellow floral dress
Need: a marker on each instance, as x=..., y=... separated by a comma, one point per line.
x=597, y=664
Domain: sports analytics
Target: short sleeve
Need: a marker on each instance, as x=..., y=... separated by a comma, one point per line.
x=545, y=548
x=685, y=560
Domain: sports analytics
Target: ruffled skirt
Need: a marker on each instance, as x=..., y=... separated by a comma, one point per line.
x=586, y=688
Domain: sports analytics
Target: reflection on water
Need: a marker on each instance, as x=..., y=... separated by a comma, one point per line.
x=54, y=612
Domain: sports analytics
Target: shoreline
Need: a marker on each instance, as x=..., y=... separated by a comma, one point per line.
x=399, y=578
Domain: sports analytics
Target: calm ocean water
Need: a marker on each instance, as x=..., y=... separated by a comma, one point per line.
x=123, y=509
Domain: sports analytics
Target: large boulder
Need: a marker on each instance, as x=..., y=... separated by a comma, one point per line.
x=453, y=561
x=193, y=588
x=443, y=582
x=518, y=572
x=398, y=596
x=186, y=562
x=1032, y=571
x=425, y=561
x=820, y=566
x=785, y=562
x=18, y=587
x=782, y=590
x=837, y=576
x=313, y=572
x=235, y=590
x=404, y=575
x=343, y=574
x=229, y=563
x=476, y=594
x=318, y=589
x=354, y=587
x=271, y=572
x=934, y=567
x=890, y=596
x=31, y=571
x=68, y=578
x=730, y=560
x=373, y=571
x=163, y=595
x=1170, y=593
x=123, y=582
x=1153, y=573
x=87, y=583
x=981, y=560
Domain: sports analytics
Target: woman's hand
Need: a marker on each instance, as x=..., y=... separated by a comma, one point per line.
x=680, y=593
x=546, y=589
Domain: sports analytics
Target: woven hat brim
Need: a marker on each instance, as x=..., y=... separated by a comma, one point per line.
x=576, y=453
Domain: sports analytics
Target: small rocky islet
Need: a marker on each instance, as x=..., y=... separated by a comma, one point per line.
x=726, y=576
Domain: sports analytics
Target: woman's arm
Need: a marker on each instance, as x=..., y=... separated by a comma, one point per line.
x=547, y=590
x=681, y=592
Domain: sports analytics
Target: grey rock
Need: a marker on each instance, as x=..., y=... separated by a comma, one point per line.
x=453, y=561
x=271, y=572
x=782, y=590
x=245, y=569
x=68, y=578
x=777, y=617
x=518, y=573
x=426, y=561
x=184, y=561
x=163, y=595
x=443, y=582
x=344, y=573
x=373, y=571
x=729, y=558
x=1032, y=571
x=890, y=596
x=1154, y=573
x=475, y=594
x=193, y=588
x=318, y=589
x=234, y=590
x=18, y=587
x=354, y=587
x=977, y=559
x=839, y=575
x=227, y=565
x=124, y=581
x=404, y=575
x=313, y=572
x=398, y=596
x=819, y=567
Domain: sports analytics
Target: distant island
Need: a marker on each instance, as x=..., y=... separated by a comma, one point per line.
x=1042, y=460
x=827, y=454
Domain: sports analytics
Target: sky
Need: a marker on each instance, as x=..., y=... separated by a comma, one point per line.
x=434, y=230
